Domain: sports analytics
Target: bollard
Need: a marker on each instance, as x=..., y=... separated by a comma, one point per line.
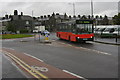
x=46, y=37
x=116, y=38
x=39, y=37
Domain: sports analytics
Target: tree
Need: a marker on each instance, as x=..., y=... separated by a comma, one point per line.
x=119, y=19
x=116, y=19
x=11, y=27
x=105, y=20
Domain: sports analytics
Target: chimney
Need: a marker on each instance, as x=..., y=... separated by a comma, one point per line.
x=57, y=13
x=21, y=13
x=6, y=16
x=15, y=12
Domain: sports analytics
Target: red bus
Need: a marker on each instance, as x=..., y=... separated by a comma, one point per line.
x=77, y=31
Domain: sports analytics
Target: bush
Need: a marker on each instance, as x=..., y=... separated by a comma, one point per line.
x=24, y=31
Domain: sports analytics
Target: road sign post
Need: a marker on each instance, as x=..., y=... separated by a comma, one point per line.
x=39, y=37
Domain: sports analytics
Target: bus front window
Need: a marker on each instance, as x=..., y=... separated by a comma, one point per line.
x=83, y=28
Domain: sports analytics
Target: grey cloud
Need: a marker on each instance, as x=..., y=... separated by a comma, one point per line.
x=41, y=8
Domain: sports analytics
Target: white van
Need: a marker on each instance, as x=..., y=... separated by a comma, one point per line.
x=117, y=30
x=99, y=29
x=109, y=29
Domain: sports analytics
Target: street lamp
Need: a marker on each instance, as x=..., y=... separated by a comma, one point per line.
x=92, y=16
x=91, y=9
x=73, y=8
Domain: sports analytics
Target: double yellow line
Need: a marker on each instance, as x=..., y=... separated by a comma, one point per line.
x=25, y=66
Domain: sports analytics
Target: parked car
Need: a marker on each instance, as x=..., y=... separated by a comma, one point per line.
x=35, y=31
x=117, y=31
x=6, y=32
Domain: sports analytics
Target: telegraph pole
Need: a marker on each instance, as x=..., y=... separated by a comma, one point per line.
x=73, y=6
x=92, y=16
x=74, y=9
x=32, y=13
x=92, y=9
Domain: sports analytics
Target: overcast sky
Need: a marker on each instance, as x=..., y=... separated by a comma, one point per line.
x=47, y=7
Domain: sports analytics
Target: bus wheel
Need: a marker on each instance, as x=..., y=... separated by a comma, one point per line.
x=84, y=41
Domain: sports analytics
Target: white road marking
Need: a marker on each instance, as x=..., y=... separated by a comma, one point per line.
x=62, y=43
x=8, y=48
x=34, y=57
x=101, y=44
x=15, y=65
x=74, y=74
x=48, y=44
x=11, y=48
x=8, y=40
x=99, y=52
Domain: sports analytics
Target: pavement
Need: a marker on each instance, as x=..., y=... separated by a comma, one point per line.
x=112, y=41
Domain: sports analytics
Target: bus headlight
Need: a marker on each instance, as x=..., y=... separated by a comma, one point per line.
x=91, y=37
x=78, y=37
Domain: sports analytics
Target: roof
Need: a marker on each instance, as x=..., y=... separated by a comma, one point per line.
x=5, y=20
x=61, y=17
x=24, y=17
x=43, y=19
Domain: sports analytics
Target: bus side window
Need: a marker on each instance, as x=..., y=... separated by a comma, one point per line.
x=73, y=28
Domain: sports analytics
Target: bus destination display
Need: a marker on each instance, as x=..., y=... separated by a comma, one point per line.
x=83, y=22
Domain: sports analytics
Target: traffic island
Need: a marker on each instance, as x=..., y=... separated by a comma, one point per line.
x=46, y=41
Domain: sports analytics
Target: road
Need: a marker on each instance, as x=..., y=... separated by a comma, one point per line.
x=12, y=71
x=90, y=60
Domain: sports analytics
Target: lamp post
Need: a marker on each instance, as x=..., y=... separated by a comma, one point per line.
x=73, y=4
x=74, y=9
x=91, y=9
x=92, y=16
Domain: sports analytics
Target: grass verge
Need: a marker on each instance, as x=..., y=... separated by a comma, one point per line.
x=12, y=36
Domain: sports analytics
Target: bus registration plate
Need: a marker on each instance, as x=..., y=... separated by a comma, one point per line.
x=85, y=39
